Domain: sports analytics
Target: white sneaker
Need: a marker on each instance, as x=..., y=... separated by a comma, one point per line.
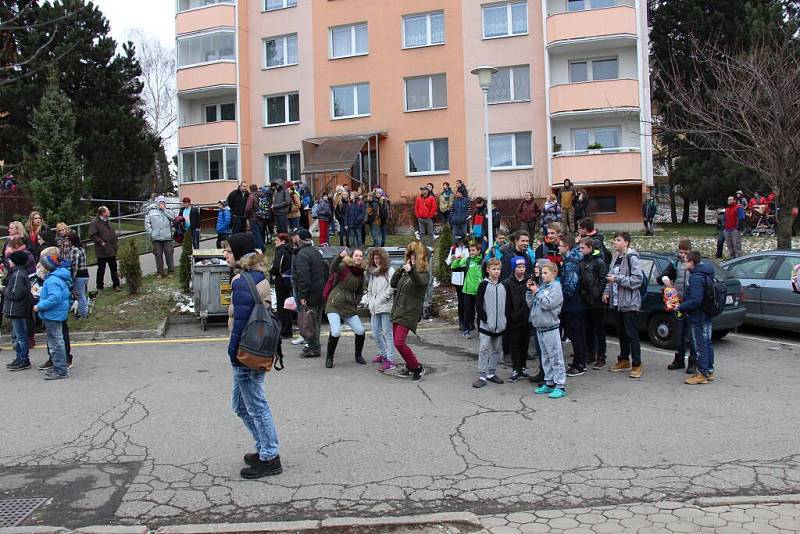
x=435, y=237
x=298, y=340
x=416, y=234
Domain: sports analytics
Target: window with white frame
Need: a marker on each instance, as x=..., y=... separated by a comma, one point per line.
x=594, y=69
x=207, y=164
x=282, y=109
x=280, y=51
x=510, y=84
x=581, y=5
x=186, y=5
x=206, y=48
x=431, y=156
x=350, y=101
x=426, y=92
x=350, y=40
x=221, y=112
x=283, y=167
x=424, y=29
x=272, y=5
x=602, y=137
x=505, y=20
x=510, y=151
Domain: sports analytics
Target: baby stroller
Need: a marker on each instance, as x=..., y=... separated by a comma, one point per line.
x=762, y=223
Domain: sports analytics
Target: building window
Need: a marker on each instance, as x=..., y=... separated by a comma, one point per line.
x=282, y=167
x=601, y=69
x=510, y=151
x=350, y=101
x=427, y=157
x=272, y=5
x=281, y=51
x=426, y=92
x=581, y=5
x=221, y=112
x=282, y=109
x=511, y=84
x=505, y=20
x=186, y=5
x=206, y=48
x=606, y=137
x=602, y=205
x=209, y=164
x=347, y=41
x=423, y=30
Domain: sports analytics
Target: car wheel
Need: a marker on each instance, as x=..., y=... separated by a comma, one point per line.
x=661, y=330
x=719, y=334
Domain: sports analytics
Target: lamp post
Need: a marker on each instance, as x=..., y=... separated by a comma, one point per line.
x=484, y=74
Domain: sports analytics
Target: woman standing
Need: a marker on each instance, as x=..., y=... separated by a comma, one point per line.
x=581, y=204
x=343, y=302
x=341, y=202
x=62, y=231
x=460, y=249
x=551, y=212
x=324, y=214
x=16, y=230
x=379, y=301
x=281, y=275
x=33, y=227
x=80, y=272
x=410, y=284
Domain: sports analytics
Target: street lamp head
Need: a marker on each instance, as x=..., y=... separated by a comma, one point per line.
x=484, y=74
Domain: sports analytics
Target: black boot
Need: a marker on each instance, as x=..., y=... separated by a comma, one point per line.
x=359, y=348
x=332, y=342
x=677, y=363
x=691, y=369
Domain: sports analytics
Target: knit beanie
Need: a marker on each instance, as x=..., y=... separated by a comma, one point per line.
x=241, y=244
x=50, y=263
x=517, y=260
x=19, y=258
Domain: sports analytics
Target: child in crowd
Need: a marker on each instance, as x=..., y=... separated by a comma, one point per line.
x=223, y=222
x=53, y=307
x=491, y=305
x=17, y=307
x=545, y=302
x=518, y=328
x=80, y=273
x=379, y=302
x=459, y=250
x=473, y=274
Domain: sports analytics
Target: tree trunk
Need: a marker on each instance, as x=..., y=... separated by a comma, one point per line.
x=701, y=211
x=673, y=207
x=685, y=216
x=786, y=220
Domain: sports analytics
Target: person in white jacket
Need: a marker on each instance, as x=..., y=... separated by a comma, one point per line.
x=158, y=225
x=379, y=302
x=460, y=249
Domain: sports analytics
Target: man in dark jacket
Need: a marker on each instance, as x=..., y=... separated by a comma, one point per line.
x=572, y=310
x=702, y=275
x=105, y=247
x=679, y=279
x=461, y=188
x=191, y=220
x=528, y=213
x=17, y=307
x=281, y=204
x=309, y=274
x=586, y=229
x=592, y=285
x=237, y=200
x=520, y=247
x=459, y=215
x=518, y=328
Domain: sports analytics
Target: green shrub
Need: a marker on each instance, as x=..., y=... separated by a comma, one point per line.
x=185, y=266
x=442, y=270
x=129, y=266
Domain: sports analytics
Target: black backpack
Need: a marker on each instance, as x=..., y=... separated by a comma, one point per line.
x=260, y=344
x=645, y=281
x=714, y=294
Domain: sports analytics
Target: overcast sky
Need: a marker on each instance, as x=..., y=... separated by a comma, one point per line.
x=154, y=17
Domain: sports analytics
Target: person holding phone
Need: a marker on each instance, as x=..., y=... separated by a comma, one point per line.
x=545, y=302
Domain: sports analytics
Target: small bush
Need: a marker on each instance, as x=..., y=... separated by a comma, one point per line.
x=185, y=266
x=442, y=271
x=129, y=266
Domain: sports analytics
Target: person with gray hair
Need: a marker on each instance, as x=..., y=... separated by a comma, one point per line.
x=158, y=225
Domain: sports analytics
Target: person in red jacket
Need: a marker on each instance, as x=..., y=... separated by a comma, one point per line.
x=425, y=211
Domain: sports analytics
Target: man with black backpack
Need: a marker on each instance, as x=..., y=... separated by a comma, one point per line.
x=701, y=302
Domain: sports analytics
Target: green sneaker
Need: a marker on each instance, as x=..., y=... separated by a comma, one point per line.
x=544, y=389
x=558, y=393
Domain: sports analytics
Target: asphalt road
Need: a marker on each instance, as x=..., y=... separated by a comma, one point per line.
x=142, y=432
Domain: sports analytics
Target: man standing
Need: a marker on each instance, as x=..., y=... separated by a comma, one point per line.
x=566, y=198
x=593, y=281
x=237, y=200
x=191, y=221
x=528, y=213
x=445, y=202
x=105, y=247
x=459, y=215
x=622, y=295
x=649, y=210
x=679, y=279
x=586, y=229
x=573, y=311
x=309, y=274
x=281, y=204
x=520, y=246
x=158, y=225
x=702, y=275
x=461, y=188
x=734, y=223
x=425, y=210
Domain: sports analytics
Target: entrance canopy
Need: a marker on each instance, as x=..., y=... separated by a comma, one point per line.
x=336, y=154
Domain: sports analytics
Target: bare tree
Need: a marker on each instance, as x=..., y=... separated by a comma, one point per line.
x=158, y=77
x=748, y=109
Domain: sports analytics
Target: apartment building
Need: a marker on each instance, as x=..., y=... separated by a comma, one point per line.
x=379, y=92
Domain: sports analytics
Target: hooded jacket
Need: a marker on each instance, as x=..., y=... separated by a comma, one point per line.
x=410, y=288
x=241, y=307
x=425, y=207
x=459, y=211
x=570, y=276
x=593, y=280
x=380, y=292
x=224, y=220
x=473, y=269
x=347, y=293
x=17, y=293
x=546, y=306
x=281, y=201
x=53, y=302
x=699, y=278
x=309, y=273
x=517, y=310
x=509, y=254
x=490, y=304
x=629, y=280
x=158, y=223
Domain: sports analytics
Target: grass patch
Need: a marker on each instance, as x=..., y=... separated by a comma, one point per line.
x=679, y=230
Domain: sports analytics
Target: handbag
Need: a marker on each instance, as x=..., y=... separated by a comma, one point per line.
x=306, y=317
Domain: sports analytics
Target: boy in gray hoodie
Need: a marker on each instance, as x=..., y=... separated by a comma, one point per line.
x=545, y=303
x=491, y=305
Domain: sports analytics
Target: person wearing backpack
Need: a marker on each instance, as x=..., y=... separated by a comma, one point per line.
x=248, y=397
x=623, y=294
x=695, y=305
x=679, y=279
x=572, y=312
x=593, y=282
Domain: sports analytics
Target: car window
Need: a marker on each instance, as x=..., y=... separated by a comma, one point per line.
x=753, y=268
x=787, y=266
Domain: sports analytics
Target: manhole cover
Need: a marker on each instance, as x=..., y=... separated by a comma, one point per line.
x=14, y=511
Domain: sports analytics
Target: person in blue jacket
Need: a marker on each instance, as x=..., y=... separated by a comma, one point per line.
x=53, y=307
x=355, y=219
x=702, y=274
x=223, y=222
x=572, y=316
x=459, y=215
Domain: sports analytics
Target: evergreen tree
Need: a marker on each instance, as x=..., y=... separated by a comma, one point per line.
x=185, y=265
x=442, y=271
x=130, y=267
x=51, y=165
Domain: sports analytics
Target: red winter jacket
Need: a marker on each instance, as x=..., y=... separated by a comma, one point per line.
x=425, y=207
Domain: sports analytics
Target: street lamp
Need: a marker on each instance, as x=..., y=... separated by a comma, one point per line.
x=484, y=74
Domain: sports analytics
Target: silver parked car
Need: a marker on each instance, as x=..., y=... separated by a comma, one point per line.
x=767, y=288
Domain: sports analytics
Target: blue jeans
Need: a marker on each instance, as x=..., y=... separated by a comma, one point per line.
x=19, y=338
x=383, y=235
x=335, y=322
x=258, y=233
x=250, y=403
x=56, y=346
x=701, y=333
x=196, y=237
x=375, y=231
x=459, y=230
x=382, y=334
x=355, y=236
x=83, y=301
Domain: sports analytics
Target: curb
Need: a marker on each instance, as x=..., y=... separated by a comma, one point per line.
x=705, y=502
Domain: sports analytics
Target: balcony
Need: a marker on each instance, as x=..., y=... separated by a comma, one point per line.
x=591, y=24
x=598, y=167
x=206, y=76
x=212, y=133
x=606, y=94
x=213, y=16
